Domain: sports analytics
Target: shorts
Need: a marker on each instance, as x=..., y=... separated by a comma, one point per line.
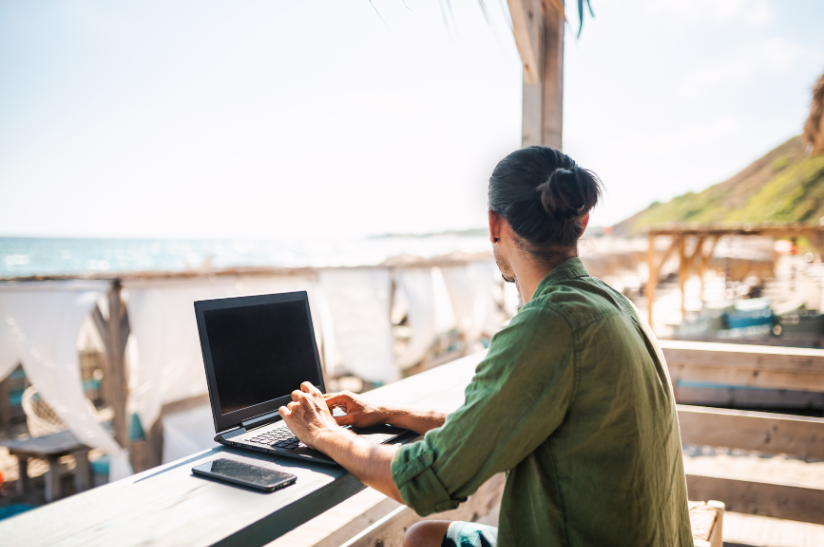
x=469, y=534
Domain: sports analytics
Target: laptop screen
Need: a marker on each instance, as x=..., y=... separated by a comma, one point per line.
x=260, y=352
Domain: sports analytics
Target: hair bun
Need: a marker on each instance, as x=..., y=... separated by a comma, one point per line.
x=569, y=192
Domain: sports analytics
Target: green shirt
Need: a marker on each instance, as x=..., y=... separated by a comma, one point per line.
x=574, y=402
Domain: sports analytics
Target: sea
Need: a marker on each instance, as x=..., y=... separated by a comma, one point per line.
x=30, y=256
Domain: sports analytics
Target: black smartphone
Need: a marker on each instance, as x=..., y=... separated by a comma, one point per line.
x=244, y=474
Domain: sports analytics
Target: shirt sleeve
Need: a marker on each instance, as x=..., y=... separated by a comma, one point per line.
x=518, y=397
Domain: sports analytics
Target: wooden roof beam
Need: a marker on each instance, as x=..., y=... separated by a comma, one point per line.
x=528, y=28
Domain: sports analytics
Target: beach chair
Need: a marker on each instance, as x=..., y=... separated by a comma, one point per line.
x=42, y=420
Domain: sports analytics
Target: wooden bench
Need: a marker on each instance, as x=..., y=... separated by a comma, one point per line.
x=706, y=519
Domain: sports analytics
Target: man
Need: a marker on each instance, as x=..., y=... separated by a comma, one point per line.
x=573, y=400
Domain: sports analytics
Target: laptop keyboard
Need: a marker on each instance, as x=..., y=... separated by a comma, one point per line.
x=280, y=437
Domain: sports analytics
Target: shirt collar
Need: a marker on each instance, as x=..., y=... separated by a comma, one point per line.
x=568, y=269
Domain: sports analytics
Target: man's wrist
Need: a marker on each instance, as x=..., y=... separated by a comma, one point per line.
x=331, y=436
x=385, y=414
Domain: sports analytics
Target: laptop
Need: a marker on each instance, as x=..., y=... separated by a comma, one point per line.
x=257, y=350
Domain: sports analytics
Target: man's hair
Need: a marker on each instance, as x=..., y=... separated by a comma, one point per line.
x=544, y=195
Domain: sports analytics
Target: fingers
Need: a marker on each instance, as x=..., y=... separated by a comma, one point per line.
x=337, y=399
x=295, y=395
x=307, y=387
x=306, y=402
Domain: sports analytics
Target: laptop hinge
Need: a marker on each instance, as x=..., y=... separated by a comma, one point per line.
x=260, y=420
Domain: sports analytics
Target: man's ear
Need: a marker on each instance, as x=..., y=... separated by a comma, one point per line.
x=584, y=223
x=495, y=227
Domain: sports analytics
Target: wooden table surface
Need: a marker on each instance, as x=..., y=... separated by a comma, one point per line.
x=168, y=505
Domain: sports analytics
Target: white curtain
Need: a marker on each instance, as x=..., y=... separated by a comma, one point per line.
x=472, y=290
x=43, y=321
x=8, y=351
x=165, y=348
x=358, y=301
x=187, y=432
x=417, y=288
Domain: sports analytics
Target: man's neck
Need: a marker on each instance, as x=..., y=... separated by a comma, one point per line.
x=527, y=278
x=529, y=274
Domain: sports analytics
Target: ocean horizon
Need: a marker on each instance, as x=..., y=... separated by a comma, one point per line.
x=44, y=256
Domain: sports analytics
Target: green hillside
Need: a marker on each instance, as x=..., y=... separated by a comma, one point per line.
x=785, y=185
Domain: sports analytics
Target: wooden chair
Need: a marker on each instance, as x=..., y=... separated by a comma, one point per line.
x=707, y=521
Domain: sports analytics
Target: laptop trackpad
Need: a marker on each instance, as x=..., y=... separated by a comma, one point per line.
x=378, y=434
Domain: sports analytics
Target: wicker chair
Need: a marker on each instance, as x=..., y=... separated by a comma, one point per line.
x=42, y=420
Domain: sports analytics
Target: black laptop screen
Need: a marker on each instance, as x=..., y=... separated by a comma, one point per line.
x=260, y=352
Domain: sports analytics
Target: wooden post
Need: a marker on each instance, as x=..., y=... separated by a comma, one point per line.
x=5, y=404
x=115, y=332
x=683, y=271
x=652, y=280
x=705, y=260
x=117, y=368
x=696, y=252
x=542, y=101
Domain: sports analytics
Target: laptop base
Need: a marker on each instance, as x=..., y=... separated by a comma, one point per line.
x=237, y=438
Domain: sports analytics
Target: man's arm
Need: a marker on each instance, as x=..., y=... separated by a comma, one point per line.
x=362, y=413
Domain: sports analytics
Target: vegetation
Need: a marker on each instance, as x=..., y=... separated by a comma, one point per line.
x=814, y=128
x=786, y=185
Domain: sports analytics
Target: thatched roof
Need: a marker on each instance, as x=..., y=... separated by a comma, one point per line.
x=814, y=128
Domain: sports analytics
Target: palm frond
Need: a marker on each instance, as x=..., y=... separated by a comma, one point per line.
x=581, y=14
x=558, y=5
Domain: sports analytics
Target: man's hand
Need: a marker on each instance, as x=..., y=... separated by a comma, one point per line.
x=309, y=419
x=359, y=412
x=308, y=415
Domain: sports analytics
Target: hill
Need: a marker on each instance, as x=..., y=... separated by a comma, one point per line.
x=785, y=185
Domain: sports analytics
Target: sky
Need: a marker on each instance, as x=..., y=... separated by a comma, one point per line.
x=282, y=119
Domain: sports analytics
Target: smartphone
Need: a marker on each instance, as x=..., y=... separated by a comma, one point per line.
x=244, y=474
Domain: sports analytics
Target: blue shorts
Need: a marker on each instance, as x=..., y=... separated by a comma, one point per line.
x=469, y=534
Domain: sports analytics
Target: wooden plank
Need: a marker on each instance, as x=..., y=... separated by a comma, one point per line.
x=53, y=481
x=5, y=403
x=766, y=228
x=82, y=471
x=135, y=278
x=784, y=501
x=117, y=366
x=655, y=271
x=798, y=436
x=341, y=523
x=543, y=101
x=172, y=507
x=528, y=31
x=706, y=521
x=390, y=530
x=769, y=367
x=652, y=277
x=742, y=530
x=683, y=272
